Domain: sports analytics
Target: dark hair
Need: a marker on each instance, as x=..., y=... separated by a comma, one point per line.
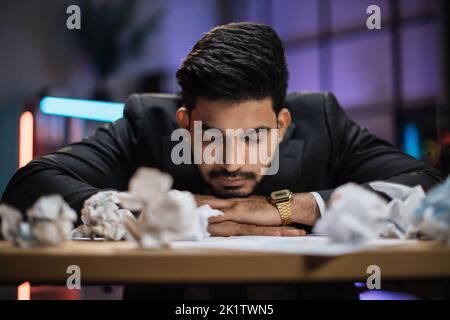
x=235, y=62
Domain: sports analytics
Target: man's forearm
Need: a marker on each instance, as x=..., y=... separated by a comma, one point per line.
x=258, y=210
x=304, y=209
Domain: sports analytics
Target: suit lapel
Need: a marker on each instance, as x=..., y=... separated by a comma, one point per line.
x=289, y=171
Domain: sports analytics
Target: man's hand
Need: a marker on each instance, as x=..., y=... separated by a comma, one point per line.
x=231, y=228
x=257, y=211
x=254, y=210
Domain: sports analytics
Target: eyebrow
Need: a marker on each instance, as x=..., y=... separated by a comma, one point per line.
x=263, y=127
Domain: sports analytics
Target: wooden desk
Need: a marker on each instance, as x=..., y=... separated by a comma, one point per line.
x=121, y=262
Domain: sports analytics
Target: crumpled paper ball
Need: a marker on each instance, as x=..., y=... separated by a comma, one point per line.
x=102, y=216
x=166, y=215
x=11, y=224
x=50, y=221
x=400, y=209
x=148, y=186
x=432, y=217
x=355, y=214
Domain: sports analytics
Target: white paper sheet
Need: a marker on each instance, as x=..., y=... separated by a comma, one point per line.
x=311, y=245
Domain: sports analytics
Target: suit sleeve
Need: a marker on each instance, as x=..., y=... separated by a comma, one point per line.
x=103, y=161
x=360, y=157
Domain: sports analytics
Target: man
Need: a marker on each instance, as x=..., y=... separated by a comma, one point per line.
x=235, y=77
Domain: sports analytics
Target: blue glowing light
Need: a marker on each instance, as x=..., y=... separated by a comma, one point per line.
x=360, y=285
x=84, y=109
x=411, y=140
x=386, y=295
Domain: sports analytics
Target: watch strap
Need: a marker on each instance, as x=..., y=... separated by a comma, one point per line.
x=284, y=209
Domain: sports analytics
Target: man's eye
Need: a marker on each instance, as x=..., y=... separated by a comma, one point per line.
x=254, y=138
x=209, y=138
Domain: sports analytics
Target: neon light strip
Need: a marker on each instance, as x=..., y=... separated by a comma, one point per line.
x=411, y=140
x=26, y=138
x=84, y=109
x=24, y=291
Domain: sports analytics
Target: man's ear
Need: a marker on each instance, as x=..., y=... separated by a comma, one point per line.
x=183, y=117
x=284, y=119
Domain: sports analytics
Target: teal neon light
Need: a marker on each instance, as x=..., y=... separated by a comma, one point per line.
x=83, y=109
x=411, y=140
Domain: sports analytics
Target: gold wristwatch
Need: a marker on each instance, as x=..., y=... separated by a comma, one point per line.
x=282, y=200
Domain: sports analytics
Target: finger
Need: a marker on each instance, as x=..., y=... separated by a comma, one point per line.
x=292, y=232
x=223, y=229
x=215, y=203
x=229, y=214
x=252, y=230
x=224, y=217
x=246, y=229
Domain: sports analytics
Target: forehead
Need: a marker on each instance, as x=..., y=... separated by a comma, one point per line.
x=235, y=115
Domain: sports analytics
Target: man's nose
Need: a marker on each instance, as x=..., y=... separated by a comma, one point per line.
x=234, y=154
x=232, y=167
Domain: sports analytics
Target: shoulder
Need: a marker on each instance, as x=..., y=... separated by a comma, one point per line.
x=312, y=103
x=139, y=105
x=152, y=111
x=315, y=113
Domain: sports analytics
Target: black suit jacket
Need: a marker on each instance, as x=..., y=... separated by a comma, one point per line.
x=321, y=150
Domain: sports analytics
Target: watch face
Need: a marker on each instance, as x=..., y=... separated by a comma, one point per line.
x=280, y=194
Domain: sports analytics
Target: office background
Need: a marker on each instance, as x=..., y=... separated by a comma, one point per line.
x=394, y=81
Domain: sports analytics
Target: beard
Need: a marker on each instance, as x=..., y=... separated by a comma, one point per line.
x=228, y=192
x=232, y=192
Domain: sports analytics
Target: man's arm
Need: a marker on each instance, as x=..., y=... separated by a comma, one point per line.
x=257, y=210
x=360, y=157
x=103, y=161
x=357, y=156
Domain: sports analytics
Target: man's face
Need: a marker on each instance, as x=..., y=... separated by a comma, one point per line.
x=239, y=174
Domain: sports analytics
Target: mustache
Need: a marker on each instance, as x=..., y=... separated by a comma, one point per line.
x=214, y=174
